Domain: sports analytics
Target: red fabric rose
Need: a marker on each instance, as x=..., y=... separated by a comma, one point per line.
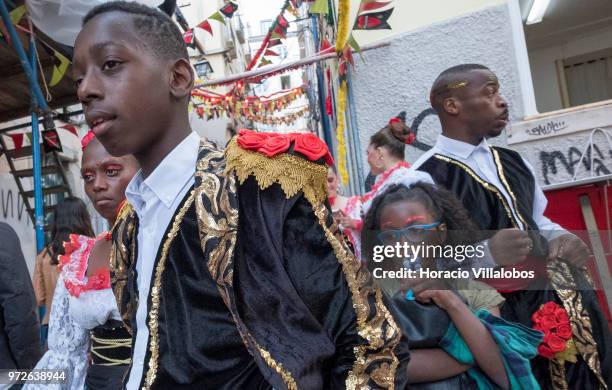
x=564, y=331
x=410, y=139
x=251, y=140
x=556, y=343
x=548, y=322
x=549, y=308
x=546, y=352
x=561, y=315
x=275, y=144
x=312, y=147
x=536, y=317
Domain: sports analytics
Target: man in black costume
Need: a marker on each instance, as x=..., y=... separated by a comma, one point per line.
x=499, y=190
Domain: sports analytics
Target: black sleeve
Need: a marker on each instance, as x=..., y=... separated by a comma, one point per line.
x=17, y=302
x=323, y=319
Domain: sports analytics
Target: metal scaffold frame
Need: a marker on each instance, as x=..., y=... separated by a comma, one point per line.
x=38, y=104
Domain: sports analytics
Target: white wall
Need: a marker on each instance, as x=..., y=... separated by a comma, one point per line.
x=544, y=72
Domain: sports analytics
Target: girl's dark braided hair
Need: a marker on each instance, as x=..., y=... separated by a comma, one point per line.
x=439, y=201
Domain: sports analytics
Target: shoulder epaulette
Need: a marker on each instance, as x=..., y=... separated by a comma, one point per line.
x=297, y=161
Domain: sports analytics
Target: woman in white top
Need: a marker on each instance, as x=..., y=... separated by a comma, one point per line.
x=86, y=336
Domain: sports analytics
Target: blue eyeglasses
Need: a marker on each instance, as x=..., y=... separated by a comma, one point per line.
x=413, y=233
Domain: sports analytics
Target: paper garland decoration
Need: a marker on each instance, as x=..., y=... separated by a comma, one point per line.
x=367, y=20
x=229, y=9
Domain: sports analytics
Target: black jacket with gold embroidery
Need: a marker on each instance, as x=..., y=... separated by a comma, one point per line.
x=254, y=289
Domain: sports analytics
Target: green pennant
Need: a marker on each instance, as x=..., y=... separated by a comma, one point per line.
x=29, y=135
x=319, y=7
x=352, y=42
x=59, y=69
x=17, y=14
x=218, y=17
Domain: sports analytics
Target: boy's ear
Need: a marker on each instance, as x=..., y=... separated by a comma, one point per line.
x=181, y=78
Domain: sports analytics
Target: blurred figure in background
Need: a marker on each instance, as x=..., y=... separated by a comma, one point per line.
x=19, y=326
x=70, y=217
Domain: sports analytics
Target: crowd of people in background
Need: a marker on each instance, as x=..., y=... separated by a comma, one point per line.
x=234, y=268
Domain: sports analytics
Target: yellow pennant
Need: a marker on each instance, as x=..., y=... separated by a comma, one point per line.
x=59, y=70
x=17, y=14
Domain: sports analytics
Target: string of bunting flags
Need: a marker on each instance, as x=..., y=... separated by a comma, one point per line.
x=50, y=138
x=227, y=11
x=280, y=120
x=214, y=105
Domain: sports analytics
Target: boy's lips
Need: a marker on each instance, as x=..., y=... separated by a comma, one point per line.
x=99, y=122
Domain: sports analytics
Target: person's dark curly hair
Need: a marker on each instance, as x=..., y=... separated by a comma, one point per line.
x=439, y=201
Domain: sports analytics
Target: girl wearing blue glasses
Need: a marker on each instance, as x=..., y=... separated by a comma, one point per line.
x=455, y=335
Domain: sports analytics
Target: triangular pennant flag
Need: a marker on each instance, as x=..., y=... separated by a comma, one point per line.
x=205, y=25
x=270, y=53
x=70, y=128
x=374, y=21
x=371, y=5
x=282, y=22
x=275, y=42
x=59, y=69
x=29, y=137
x=17, y=141
x=264, y=62
x=229, y=9
x=319, y=7
x=353, y=43
x=17, y=14
x=51, y=141
x=218, y=17
x=276, y=36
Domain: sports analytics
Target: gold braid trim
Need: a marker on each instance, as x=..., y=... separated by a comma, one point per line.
x=293, y=173
x=557, y=375
x=278, y=367
x=120, y=259
x=375, y=361
x=502, y=177
x=485, y=184
x=156, y=291
x=582, y=331
x=111, y=344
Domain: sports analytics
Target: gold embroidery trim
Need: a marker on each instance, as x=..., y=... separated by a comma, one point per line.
x=220, y=221
x=123, y=229
x=375, y=361
x=502, y=177
x=485, y=184
x=278, y=367
x=293, y=173
x=582, y=331
x=155, y=294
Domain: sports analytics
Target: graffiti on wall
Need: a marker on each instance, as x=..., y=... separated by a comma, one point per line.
x=12, y=206
x=416, y=122
x=557, y=161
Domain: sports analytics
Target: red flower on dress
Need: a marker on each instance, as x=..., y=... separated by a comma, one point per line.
x=272, y=144
x=275, y=144
x=251, y=140
x=312, y=147
x=552, y=320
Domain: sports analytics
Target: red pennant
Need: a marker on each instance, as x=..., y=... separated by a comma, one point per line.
x=51, y=141
x=205, y=25
x=282, y=21
x=372, y=5
x=229, y=9
x=270, y=53
x=325, y=45
x=70, y=128
x=274, y=42
x=17, y=140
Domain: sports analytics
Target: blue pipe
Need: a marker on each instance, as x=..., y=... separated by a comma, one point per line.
x=38, y=101
x=39, y=221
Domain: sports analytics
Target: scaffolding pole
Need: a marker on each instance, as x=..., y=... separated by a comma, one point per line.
x=38, y=102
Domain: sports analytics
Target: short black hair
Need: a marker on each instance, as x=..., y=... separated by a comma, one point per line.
x=157, y=30
x=449, y=80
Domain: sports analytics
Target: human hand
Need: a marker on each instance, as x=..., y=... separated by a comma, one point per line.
x=569, y=248
x=431, y=290
x=346, y=221
x=510, y=246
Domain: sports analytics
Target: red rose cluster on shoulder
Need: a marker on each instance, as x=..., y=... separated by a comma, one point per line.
x=273, y=144
x=552, y=320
